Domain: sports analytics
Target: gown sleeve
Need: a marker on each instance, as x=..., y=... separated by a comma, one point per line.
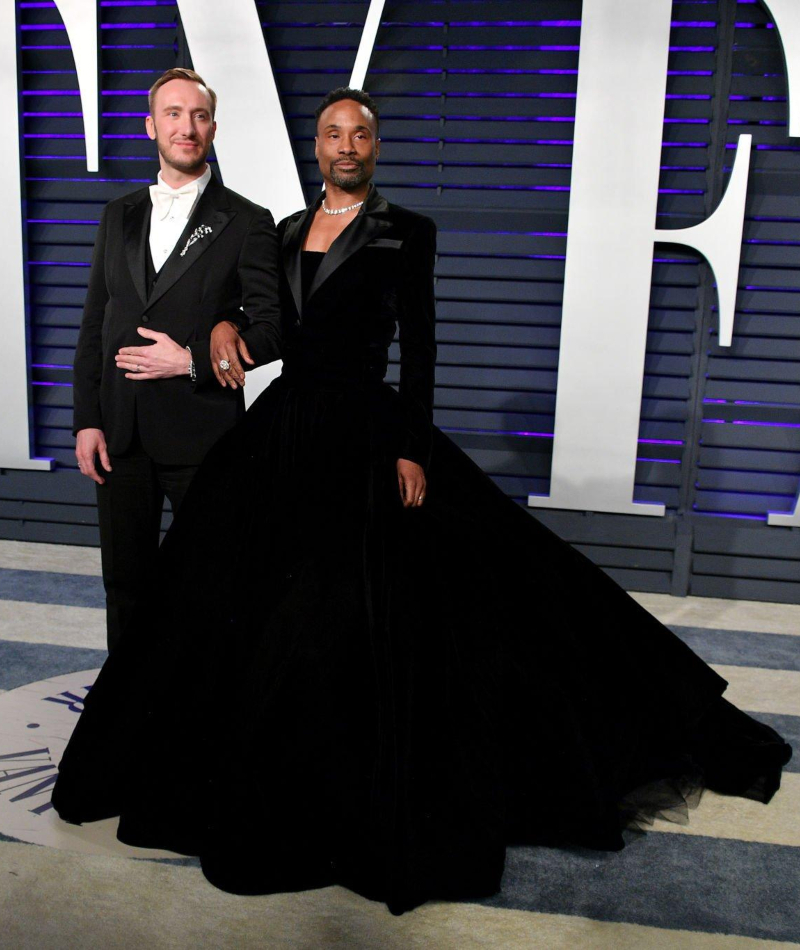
x=416, y=319
x=259, y=317
x=258, y=270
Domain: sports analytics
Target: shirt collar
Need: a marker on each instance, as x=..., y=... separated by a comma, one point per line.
x=201, y=182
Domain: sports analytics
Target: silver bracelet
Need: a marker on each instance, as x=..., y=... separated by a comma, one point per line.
x=192, y=371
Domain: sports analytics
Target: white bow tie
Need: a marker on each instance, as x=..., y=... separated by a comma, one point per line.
x=180, y=200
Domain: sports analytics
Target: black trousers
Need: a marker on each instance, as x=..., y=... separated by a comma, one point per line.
x=129, y=507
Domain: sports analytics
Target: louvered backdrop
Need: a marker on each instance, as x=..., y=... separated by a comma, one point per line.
x=478, y=103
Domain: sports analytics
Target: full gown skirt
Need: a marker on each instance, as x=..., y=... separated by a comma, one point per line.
x=329, y=688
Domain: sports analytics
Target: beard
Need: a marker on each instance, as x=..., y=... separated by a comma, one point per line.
x=348, y=180
x=177, y=161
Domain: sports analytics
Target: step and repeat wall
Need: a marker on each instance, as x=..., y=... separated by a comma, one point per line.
x=478, y=108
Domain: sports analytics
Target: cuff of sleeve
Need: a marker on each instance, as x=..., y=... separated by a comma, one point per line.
x=201, y=354
x=84, y=421
x=416, y=453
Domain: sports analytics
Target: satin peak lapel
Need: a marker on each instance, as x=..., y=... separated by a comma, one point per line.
x=294, y=237
x=134, y=233
x=363, y=229
x=177, y=264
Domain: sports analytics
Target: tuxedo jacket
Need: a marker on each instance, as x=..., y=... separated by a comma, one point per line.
x=375, y=280
x=233, y=264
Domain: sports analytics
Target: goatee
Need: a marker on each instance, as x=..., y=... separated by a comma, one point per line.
x=348, y=180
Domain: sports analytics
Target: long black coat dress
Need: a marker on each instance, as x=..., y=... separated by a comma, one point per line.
x=335, y=689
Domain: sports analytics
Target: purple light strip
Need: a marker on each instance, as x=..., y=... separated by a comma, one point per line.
x=773, y=243
x=146, y=181
x=767, y=425
x=548, y=23
x=58, y=27
x=499, y=95
x=69, y=385
x=776, y=405
x=762, y=122
x=556, y=234
x=50, y=366
x=75, y=92
x=498, y=118
x=57, y=264
x=549, y=435
x=60, y=221
x=784, y=290
x=49, y=4
x=724, y=514
x=493, y=72
x=496, y=48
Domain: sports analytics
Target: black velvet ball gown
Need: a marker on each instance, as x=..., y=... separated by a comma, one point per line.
x=329, y=688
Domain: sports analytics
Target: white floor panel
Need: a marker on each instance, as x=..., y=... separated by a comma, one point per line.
x=51, y=623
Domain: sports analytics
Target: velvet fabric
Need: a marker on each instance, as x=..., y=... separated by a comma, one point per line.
x=331, y=688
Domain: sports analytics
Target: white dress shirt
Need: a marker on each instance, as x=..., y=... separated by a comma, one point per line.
x=171, y=210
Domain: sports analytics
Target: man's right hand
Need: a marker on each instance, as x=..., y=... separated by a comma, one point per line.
x=92, y=442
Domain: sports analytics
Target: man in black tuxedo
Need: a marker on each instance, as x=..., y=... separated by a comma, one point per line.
x=170, y=262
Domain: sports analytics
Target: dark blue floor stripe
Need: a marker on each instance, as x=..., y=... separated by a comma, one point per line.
x=772, y=651
x=670, y=881
x=23, y=663
x=46, y=587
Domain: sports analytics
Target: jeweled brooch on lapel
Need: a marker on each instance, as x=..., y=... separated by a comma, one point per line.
x=196, y=235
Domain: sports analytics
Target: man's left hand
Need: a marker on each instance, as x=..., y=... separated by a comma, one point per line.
x=162, y=359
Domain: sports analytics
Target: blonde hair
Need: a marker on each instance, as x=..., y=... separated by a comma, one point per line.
x=178, y=72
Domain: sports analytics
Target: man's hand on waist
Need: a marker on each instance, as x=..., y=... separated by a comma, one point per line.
x=162, y=359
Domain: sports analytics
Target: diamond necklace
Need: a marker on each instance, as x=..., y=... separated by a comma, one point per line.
x=341, y=210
